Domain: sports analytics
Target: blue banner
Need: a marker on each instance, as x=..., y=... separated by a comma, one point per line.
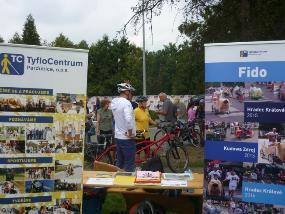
x=231, y=151
x=245, y=71
x=24, y=200
x=264, y=112
x=26, y=91
x=26, y=160
x=25, y=119
x=263, y=193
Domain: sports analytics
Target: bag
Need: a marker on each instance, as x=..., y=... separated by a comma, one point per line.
x=154, y=164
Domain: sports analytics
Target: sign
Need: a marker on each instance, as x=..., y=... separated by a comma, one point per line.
x=42, y=122
x=244, y=128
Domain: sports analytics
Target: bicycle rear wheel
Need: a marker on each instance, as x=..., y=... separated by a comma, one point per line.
x=177, y=158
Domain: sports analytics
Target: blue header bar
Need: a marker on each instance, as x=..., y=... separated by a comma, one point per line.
x=25, y=119
x=26, y=160
x=245, y=71
x=24, y=200
x=26, y=91
x=263, y=193
x=231, y=151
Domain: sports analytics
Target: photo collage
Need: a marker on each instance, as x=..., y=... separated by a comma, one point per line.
x=60, y=138
x=227, y=177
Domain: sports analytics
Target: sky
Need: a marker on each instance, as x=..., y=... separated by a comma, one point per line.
x=88, y=20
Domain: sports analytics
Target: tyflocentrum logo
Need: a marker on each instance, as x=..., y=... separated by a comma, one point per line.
x=12, y=64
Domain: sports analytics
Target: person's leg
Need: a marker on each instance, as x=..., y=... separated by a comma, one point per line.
x=129, y=152
x=120, y=155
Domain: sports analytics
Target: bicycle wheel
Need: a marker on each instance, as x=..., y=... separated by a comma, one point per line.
x=195, y=138
x=159, y=134
x=177, y=158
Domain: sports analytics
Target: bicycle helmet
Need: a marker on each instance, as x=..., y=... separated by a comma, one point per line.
x=125, y=87
x=141, y=99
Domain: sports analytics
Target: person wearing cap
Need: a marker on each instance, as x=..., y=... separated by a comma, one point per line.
x=142, y=116
x=125, y=129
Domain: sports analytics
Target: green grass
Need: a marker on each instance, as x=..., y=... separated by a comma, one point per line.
x=114, y=202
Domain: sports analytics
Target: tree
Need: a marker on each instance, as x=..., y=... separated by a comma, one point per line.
x=16, y=39
x=82, y=45
x=30, y=35
x=62, y=41
x=1, y=40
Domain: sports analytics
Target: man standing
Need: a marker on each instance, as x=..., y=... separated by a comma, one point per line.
x=124, y=127
x=168, y=108
x=181, y=111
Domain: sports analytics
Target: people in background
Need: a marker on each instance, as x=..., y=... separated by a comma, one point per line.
x=104, y=121
x=168, y=108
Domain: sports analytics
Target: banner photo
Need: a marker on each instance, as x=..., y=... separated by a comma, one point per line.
x=42, y=122
x=244, y=128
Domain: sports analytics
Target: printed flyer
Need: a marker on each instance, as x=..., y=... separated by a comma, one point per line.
x=42, y=122
x=244, y=128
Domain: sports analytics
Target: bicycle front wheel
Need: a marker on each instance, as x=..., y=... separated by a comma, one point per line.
x=177, y=159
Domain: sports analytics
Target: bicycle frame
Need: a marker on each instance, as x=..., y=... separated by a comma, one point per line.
x=111, y=150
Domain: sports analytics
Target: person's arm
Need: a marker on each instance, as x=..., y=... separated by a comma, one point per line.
x=128, y=111
x=98, y=124
x=164, y=109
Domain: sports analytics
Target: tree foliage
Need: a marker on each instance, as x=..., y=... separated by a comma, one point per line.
x=1, y=40
x=16, y=39
x=62, y=41
x=30, y=35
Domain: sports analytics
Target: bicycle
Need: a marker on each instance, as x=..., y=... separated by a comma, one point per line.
x=176, y=155
x=92, y=150
x=188, y=132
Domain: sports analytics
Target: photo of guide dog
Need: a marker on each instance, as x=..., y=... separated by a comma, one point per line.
x=68, y=169
x=70, y=103
x=12, y=174
x=264, y=173
x=271, y=143
x=67, y=185
x=38, y=186
x=37, y=131
x=12, y=147
x=12, y=133
x=12, y=187
x=27, y=103
x=38, y=173
x=231, y=131
x=224, y=101
x=40, y=147
x=223, y=180
x=67, y=205
x=239, y=207
x=39, y=210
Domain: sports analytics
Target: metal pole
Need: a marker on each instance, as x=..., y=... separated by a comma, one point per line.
x=144, y=68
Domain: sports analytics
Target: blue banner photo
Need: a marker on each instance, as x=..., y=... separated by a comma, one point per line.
x=264, y=112
x=231, y=151
x=263, y=193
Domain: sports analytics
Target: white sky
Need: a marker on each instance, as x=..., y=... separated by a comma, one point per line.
x=86, y=19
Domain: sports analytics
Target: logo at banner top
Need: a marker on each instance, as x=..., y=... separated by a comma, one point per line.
x=11, y=64
x=243, y=53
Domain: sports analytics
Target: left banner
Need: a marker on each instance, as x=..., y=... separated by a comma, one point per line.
x=42, y=126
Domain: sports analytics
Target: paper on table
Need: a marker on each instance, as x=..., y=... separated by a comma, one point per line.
x=176, y=183
x=100, y=181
